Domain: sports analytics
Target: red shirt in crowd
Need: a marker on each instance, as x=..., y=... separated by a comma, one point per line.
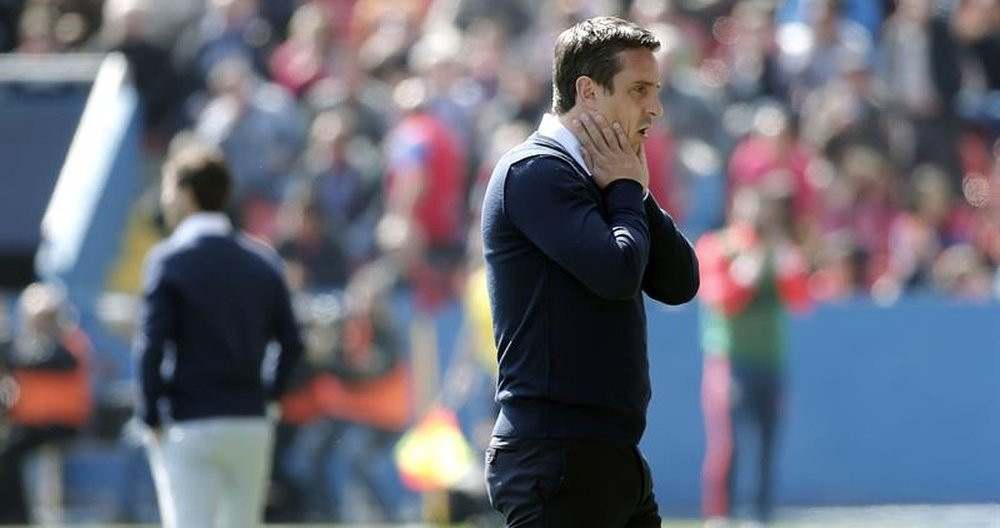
x=422, y=146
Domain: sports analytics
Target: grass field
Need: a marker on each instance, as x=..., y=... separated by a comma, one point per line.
x=909, y=516
x=669, y=524
x=677, y=524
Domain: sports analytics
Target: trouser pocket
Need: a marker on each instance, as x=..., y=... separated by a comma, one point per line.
x=521, y=476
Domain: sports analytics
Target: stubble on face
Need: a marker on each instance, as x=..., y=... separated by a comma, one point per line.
x=635, y=94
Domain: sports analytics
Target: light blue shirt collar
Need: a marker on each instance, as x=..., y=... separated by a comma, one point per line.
x=198, y=225
x=552, y=128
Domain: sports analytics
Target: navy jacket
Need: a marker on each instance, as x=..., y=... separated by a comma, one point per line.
x=211, y=307
x=567, y=265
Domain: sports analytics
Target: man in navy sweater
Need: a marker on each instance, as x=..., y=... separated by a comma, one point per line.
x=213, y=302
x=572, y=240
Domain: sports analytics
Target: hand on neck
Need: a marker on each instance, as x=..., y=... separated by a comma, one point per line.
x=573, y=113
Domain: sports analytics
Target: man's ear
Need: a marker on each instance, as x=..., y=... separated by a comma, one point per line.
x=586, y=90
x=186, y=200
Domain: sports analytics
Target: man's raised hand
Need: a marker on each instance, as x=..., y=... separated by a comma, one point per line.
x=607, y=152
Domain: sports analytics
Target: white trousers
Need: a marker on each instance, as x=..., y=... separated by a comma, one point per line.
x=212, y=473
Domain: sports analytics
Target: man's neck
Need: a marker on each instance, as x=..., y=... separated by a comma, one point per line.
x=559, y=129
x=566, y=119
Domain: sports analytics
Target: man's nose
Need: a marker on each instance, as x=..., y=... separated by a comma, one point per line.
x=655, y=108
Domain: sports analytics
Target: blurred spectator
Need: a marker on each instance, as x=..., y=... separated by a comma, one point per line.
x=4, y=323
x=933, y=221
x=228, y=29
x=521, y=98
x=313, y=258
x=751, y=270
x=976, y=23
x=260, y=130
x=278, y=15
x=983, y=193
x=810, y=52
x=10, y=14
x=962, y=271
x=369, y=17
x=152, y=66
x=773, y=155
x=922, y=76
x=361, y=99
x=860, y=205
x=301, y=60
x=687, y=39
x=500, y=141
x=362, y=392
x=749, y=52
x=342, y=170
x=383, y=32
x=287, y=494
x=512, y=16
x=847, y=112
x=868, y=13
x=661, y=158
x=48, y=364
x=451, y=95
x=840, y=269
x=164, y=22
x=50, y=26
x=339, y=14
x=36, y=30
x=425, y=187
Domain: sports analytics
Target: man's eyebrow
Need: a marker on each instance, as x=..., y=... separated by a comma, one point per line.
x=646, y=83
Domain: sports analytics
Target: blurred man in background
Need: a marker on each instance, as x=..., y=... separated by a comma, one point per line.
x=213, y=301
x=424, y=188
x=257, y=125
x=751, y=270
x=45, y=379
x=10, y=12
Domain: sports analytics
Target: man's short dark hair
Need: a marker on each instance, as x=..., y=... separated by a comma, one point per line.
x=205, y=172
x=591, y=48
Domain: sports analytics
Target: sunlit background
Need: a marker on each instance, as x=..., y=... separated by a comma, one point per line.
x=361, y=134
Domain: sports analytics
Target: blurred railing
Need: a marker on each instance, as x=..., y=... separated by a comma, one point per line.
x=50, y=68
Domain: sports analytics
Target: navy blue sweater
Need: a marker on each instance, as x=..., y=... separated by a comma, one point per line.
x=216, y=303
x=567, y=265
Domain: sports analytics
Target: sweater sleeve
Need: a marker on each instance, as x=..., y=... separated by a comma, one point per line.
x=561, y=215
x=156, y=323
x=672, y=273
x=286, y=331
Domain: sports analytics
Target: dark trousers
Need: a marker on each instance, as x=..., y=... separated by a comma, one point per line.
x=554, y=483
x=16, y=444
x=740, y=402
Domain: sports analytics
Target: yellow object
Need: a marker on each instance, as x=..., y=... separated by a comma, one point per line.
x=434, y=455
x=140, y=236
x=477, y=309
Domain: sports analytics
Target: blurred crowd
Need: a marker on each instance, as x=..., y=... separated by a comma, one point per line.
x=358, y=128
x=361, y=132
